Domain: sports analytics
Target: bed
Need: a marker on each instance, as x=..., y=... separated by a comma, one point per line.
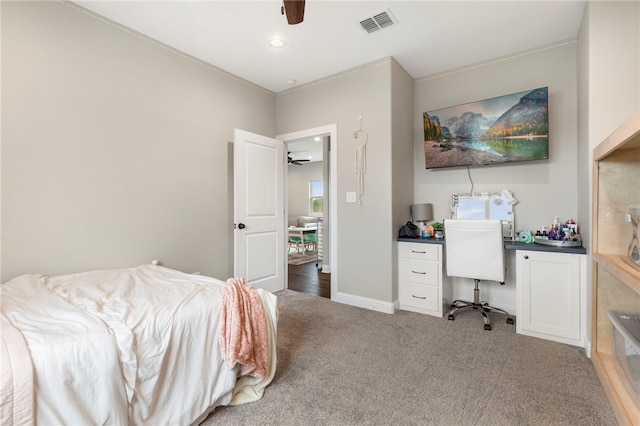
x=142, y=345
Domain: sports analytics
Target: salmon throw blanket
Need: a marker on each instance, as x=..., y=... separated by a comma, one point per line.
x=244, y=335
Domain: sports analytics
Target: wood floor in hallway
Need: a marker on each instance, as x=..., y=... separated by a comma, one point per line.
x=307, y=278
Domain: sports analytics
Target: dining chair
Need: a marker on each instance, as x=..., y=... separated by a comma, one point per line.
x=295, y=241
x=311, y=241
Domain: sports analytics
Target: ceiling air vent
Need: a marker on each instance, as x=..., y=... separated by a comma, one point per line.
x=378, y=22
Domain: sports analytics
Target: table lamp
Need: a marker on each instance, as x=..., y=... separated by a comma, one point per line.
x=421, y=213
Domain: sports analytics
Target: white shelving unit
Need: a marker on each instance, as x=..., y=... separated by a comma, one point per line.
x=320, y=237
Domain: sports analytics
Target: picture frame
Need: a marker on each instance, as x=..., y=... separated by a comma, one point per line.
x=508, y=128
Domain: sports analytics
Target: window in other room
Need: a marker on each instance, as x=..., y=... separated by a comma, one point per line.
x=316, y=203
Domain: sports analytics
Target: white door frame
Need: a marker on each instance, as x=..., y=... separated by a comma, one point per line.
x=332, y=130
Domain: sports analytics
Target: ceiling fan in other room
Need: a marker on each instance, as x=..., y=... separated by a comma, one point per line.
x=290, y=160
x=294, y=9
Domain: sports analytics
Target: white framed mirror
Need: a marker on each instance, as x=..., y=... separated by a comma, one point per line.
x=486, y=205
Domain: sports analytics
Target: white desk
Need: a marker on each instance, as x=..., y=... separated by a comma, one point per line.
x=550, y=287
x=300, y=231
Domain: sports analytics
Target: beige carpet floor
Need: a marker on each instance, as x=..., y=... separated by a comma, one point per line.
x=342, y=365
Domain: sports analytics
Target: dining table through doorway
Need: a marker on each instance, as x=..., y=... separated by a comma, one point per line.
x=301, y=237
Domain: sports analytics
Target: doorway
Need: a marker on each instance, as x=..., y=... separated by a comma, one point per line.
x=306, y=197
x=309, y=159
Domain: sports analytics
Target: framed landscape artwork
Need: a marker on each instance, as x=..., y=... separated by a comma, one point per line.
x=498, y=130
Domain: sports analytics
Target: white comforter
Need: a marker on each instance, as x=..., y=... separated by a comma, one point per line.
x=135, y=346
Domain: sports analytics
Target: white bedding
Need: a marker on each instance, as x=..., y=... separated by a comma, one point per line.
x=16, y=380
x=137, y=346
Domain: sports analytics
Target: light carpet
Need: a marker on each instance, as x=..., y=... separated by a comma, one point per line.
x=342, y=365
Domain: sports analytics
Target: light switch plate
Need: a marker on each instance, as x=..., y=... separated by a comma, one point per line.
x=351, y=197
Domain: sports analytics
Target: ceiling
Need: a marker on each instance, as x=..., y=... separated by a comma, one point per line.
x=427, y=37
x=310, y=149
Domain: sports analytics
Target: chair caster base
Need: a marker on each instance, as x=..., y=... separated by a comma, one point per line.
x=451, y=317
x=509, y=320
x=487, y=327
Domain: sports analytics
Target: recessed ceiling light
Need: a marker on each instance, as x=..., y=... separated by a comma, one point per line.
x=291, y=82
x=317, y=139
x=276, y=42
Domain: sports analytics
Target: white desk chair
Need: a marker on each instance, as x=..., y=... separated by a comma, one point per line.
x=475, y=249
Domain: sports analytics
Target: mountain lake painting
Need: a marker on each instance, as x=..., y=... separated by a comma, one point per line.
x=498, y=130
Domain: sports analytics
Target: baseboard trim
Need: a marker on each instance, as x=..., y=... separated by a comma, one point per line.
x=587, y=347
x=365, y=302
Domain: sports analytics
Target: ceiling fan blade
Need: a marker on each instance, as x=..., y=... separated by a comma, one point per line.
x=290, y=160
x=294, y=10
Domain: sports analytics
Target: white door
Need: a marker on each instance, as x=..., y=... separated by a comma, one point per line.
x=259, y=242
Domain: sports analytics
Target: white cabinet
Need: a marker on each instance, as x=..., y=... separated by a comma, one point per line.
x=420, y=278
x=551, y=296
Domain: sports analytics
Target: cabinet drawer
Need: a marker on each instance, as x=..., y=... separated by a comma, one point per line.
x=419, y=296
x=419, y=271
x=419, y=251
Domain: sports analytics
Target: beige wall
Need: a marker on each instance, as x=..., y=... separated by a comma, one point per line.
x=609, y=76
x=114, y=149
x=401, y=158
x=608, y=85
x=544, y=188
x=298, y=188
x=613, y=38
x=364, y=246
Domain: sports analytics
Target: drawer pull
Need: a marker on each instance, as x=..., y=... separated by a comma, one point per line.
x=418, y=297
x=421, y=273
x=419, y=252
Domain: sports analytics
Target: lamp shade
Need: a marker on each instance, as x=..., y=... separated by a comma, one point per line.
x=422, y=212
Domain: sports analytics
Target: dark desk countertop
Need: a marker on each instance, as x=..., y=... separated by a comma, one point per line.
x=423, y=240
x=508, y=245
x=517, y=245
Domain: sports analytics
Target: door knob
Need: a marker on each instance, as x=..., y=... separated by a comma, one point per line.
x=526, y=257
x=241, y=226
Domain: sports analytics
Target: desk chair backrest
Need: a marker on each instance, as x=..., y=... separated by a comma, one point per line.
x=474, y=249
